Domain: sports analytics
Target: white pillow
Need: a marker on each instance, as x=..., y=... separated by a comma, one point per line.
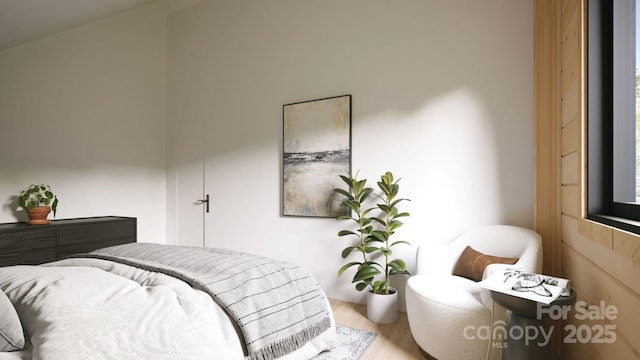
x=11, y=335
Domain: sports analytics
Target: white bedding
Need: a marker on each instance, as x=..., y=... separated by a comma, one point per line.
x=97, y=309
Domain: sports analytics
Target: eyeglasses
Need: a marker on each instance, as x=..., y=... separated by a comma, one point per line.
x=528, y=282
x=535, y=284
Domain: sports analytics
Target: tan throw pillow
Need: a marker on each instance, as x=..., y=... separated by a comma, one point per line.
x=472, y=263
x=11, y=335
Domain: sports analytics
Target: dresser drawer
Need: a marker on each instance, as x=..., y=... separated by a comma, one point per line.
x=28, y=247
x=81, y=238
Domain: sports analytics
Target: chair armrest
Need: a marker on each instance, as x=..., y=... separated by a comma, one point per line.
x=531, y=259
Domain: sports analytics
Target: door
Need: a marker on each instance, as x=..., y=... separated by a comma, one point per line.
x=189, y=178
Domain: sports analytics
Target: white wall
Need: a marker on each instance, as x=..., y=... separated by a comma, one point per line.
x=442, y=96
x=84, y=111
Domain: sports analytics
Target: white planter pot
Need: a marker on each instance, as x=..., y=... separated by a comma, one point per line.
x=382, y=309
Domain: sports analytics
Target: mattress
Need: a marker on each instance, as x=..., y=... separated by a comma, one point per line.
x=87, y=308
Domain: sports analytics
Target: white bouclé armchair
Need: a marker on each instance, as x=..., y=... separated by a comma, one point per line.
x=451, y=317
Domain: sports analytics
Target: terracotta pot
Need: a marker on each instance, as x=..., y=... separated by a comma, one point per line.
x=382, y=309
x=38, y=215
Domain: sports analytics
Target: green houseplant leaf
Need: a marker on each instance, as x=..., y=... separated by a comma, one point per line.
x=366, y=272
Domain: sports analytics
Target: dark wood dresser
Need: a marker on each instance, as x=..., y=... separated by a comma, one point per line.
x=23, y=244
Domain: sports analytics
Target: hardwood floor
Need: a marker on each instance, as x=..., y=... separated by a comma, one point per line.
x=394, y=341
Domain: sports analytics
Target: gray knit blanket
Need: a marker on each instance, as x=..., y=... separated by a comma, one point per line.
x=277, y=306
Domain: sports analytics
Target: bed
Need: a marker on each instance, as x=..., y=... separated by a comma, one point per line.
x=151, y=301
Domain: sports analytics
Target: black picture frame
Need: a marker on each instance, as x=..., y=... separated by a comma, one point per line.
x=316, y=150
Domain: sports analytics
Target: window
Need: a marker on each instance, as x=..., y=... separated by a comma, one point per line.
x=613, y=98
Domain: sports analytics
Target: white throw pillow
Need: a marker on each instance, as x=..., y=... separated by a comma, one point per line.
x=11, y=335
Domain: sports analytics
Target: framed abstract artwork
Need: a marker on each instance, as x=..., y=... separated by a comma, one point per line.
x=316, y=150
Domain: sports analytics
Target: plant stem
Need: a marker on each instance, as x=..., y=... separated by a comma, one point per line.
x=386, y=256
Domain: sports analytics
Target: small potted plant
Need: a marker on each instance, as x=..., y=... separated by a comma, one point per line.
x=372, y=240
x=38, y=201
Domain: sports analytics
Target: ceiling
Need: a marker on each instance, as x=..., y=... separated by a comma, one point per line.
x=22, y=21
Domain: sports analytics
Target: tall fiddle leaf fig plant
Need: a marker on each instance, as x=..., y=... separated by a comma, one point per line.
x=372, y=237
x=389, y=222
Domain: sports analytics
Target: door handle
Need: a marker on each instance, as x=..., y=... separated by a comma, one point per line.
x=205, y=201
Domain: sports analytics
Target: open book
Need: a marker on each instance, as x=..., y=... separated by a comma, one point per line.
x=536, y=287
